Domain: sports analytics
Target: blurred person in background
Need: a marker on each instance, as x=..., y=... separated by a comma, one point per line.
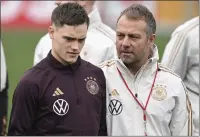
x=182, y=56
x=99, y=45
x=144, y=98
x=3, y=94
x=62, y=94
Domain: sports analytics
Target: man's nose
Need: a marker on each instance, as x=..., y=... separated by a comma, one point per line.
x=75, y=45
x=126, y=42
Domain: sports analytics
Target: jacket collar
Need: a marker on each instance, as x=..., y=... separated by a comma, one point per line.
x=151, y=63
x=56, y=64
x=94, y=16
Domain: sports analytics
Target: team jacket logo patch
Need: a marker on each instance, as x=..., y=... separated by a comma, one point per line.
x=60, y=107
x=57, y=92
x=114, y=93
x=92, y=85
x=159, y=92
x=115, y=107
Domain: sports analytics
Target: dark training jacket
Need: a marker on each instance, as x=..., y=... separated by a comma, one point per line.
x=52, y=99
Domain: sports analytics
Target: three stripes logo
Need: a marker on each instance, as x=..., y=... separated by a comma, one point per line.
x=57, y=92
x=115, y=107
x=114, y=93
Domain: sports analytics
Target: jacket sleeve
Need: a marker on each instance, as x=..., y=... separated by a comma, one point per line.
x=175, y=55
x=3, y=94
x=3, y=69
x=103, y=126
x=24, y=108
x=38, y=56
x=3, y=109
x=181, y=121
x=111, y=53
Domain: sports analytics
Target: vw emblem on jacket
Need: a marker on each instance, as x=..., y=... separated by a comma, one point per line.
x=60, y=107
x=115, y=107
x=92, y=85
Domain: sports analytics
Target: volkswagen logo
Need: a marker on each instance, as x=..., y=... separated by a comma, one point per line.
x=60, y=107
x=115, y=107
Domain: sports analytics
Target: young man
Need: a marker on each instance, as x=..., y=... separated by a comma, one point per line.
x=143, y=97
x=3, y=94
x=182, y=56
x=63, y=94
x=99, y=45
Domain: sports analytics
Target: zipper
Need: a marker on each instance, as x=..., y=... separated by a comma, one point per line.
x=140, y=73
x=77, y=93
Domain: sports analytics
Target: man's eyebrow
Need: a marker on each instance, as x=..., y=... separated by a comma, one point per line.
x=82, y=38
x=134, y=35
x=118, y=32
x=67, y=37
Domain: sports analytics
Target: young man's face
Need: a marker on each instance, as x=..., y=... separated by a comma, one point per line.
x=68, y=41
x=132, y=42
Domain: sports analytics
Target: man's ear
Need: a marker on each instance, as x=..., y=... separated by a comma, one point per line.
x=51, y=31
x=152, y=39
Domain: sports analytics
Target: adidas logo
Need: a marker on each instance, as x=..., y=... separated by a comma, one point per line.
x=114, y=93
x=58, y=92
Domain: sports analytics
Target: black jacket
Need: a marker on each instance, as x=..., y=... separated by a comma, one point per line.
x=52, y=99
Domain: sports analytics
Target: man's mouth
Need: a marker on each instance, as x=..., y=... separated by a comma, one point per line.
x=126, y=53
x=72, y=53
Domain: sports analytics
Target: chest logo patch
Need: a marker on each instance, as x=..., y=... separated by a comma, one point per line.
x=92, y=85
x=60, y=107
x=159, y=92
x=115, y=107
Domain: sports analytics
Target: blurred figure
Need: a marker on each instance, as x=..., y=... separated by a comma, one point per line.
x=3, y=94
x=100, y=42
x=110, y=15
x=182, y=56
x=63, y=94
x=143, y=97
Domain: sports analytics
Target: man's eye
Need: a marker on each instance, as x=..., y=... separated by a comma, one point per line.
x=81, y=40
x=69, y=39
x=120, y=36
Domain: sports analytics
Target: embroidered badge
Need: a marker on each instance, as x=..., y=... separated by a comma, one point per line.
x=92, y=85
x=159, y=92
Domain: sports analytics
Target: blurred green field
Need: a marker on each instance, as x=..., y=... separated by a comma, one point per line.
x=19, y=49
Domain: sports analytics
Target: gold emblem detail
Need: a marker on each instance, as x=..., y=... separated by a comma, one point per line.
x=114, y=93
x=159, y=92
x=92, y=85
x=57, y=92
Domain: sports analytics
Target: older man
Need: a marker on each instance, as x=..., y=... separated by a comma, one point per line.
x=143, y=97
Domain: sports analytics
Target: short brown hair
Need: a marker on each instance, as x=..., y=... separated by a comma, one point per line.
x=140, y=12
x=70, y=14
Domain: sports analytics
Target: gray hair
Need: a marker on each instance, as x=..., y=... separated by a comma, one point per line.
x=140, y=12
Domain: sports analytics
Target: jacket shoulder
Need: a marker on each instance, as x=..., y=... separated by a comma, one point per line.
x=91, y=67
x=37, y=72
x=107, y=63
x=166, y=69
x=187, y=26
x=107, y=31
